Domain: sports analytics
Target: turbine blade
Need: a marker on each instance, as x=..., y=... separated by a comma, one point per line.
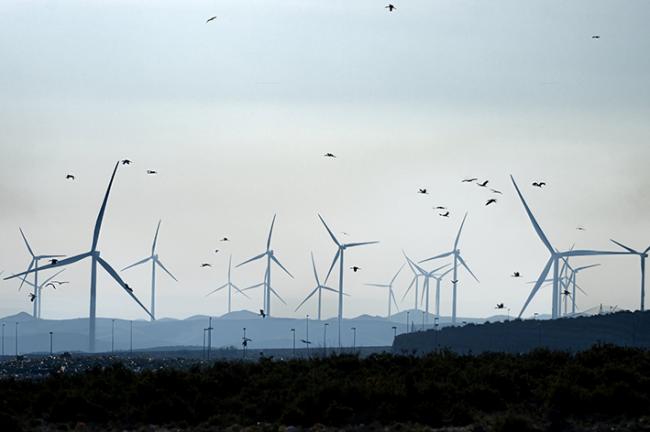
x=49, y=256
x=414, y=265
x=326, y=288
x=396, y=274
x=464, y=264
x=277, y=295
x=377, y=285
x=538, y=284
x=256, y=257
x=268, y=242
x=51, y=277
x=102, y=210
x=592, y=253
x=142, y=261
x=392, y=295
x=459, y=231
x=218, y=289
x=239, y=291
x=361, y=244
x=275, y=260
x=629, y=249
x=29, y=268
x=439, y=268
x=306, y=298
x=313, y=264
x=124, y=286
x=329, y=231
x=538, y=229
x=581, y=290
x=255, y=286
x=575, y=270
x=409, y=287
x=63, y=262
x=336, y=257
x=445, y=273
x=162, y=266
x=442, y=255
x=155, y=239
x=29, y=248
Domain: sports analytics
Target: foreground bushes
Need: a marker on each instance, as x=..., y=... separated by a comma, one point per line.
x=603, y=384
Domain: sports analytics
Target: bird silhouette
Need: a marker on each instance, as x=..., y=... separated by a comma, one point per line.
x=245, y=340
x=484, y=184
x=206, y=265
x=355, y=268
x=126, y=162
x=50, y=284
x=500, y=306
x=306, y=342
x=469, y=180
x=53, y=261
x=262, y=314
x=69, y=177
x=225, y=239
x=128, y=288
x=539, y=184
x=516, y=274
x=496, y=191
x=32, y=297
x=440, y=208
x=211, y=19
x=595, y=37
x=152, y=172
x=445, y=214
x=216, y=251
x=60, y=282
x=490, y=201
x=581, y=228
x=390, y=7
x=329, y=155
x=454, y=281
x=423, y=191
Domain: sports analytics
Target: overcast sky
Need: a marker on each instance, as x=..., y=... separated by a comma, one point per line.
x=236, y=114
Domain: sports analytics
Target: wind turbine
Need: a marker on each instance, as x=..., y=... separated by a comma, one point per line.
x=642, y=255
x=457, y=258
x=416, y=280
x=319, y=288
x=34, y=264
x=340, y=258
x=427, y=275
x=39, y=290
x=391, y=295
x=95, y=259
x=230, y=286
x=438, y=279
x=270, y=257
x=553, y=260
x=155, y=261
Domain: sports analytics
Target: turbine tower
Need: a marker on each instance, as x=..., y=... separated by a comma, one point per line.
x=340, y=258
x=438, y=279
x=457, y=258
x=553, y=260
x=427, y=275
x=230, y=286
x=155, y=261
x=642, y=255
x=270, y=257
x=34, y=264
x=39, y=291
x=391, y=295
x=95, y=259
x=319, y=288
x=416, y=280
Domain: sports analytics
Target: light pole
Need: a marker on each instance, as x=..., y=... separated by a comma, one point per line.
x=209, y=336
x=112, y=336
x=423, y=312
x=508, y=314
x=394, y=331
x=293, y=350
x=325, y=338
x=435, y=326
x=3, y=340
x=245, y=342
x=51, y=334
x=407, y=321
x=131, y=338
x=203, y=347
x=354, y=339
x=16, y=340
x=307, y=333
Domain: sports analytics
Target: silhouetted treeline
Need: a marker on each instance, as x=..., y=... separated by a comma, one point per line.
x=542, y=389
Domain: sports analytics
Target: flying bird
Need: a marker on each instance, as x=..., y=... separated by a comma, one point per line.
x=355, y=268
x=390, y=7
x=595, y=37
x=329, y=155
x=581, y=228
x=211, y=19
x=516, y=274
x=206, y=265
x=262, y=314
x=32, y=297
x=496, y=191
x=128, y=288
x=50, y=284
x=483, y=184
x=539, y=184
x=490, y=201
x=245, y=340
x=440, y=208
x=126, y=162
x=53, y=261
x=216, y=251
x=500, y=306
x=225, y=239
x=469, y=180
x=422, y=191
x=152, y=172
x=306, y=342
x=445, y=214
x=69, y=177
x=454, y=281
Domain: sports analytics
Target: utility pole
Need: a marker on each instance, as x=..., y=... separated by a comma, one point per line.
x=245, y=342
x=16, y=340
x=423, y=312
x=394, y=331
x=3, y=340
x=51, y=334
x=209, y=336
x=293, y=331
x=325, y=339
x=112, y=336
x=307, y=332
x=407, y=321
x=203, y=347
x=354, y=339
x=131, y=338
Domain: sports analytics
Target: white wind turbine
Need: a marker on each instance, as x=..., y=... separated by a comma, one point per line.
x=416, y=280
x=95, y=258
x=427, y=275
x=553, y=260
x=319, y=288
x=34, y=264
x=155, y=261
x=391, y=294
x=39, y=290
x=455, y=252
x=339, y=257
x=270, y=257
x=438, y=279
x=230, y=286
x=642, y=255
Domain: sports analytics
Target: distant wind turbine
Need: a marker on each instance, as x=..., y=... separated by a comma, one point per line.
x=95, y=257
x=39, y=292
x=319, y=288
x=270, y=258
x=391, y=294
x=455, y=252
x=230, y=286
x=416, y=280
x=340, y=258
x=34, y=264
x=553, y=260
x=427, y=275
x=642, y=255
x=155, y=261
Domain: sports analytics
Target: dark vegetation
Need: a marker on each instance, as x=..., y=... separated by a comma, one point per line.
x=542, y=390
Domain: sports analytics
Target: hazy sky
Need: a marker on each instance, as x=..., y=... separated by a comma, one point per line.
x=236, y=114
